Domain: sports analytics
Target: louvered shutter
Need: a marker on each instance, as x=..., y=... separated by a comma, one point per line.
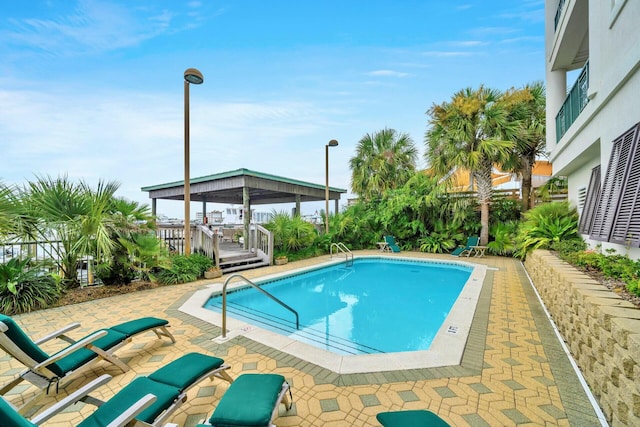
x=591, y=202
x=612, y=186
x=626, y=226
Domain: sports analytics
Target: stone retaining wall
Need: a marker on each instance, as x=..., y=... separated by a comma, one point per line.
x=601, y=330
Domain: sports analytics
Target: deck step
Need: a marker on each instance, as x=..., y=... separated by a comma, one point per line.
x=229, y=262
x=240, y=263
x=244, y=267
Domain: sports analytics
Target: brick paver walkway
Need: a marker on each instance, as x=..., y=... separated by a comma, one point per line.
x=513, y=371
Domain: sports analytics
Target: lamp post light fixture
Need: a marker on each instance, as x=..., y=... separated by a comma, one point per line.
x=193, y=76
x=332, y=143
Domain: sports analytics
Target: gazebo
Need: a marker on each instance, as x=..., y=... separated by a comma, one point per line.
x=245, y=187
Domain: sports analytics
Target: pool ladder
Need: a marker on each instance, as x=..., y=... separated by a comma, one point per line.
x=341, y=247
x=224, y=301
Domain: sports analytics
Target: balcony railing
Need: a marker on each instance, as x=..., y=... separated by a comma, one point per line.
x=558, y=14
x=573, y=104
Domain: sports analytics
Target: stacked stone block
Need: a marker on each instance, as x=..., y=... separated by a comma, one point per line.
x=601, y=329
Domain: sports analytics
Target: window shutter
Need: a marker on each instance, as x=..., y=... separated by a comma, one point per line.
x=612, y=186
x=590, y=202
x=626, y=225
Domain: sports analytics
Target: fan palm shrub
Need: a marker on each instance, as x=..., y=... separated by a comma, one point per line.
x=545, y=225
x=23, y=288
x=290, y=233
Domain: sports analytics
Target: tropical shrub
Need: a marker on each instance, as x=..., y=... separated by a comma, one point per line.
x=505, y=209
x=23, y=289
x=290, y=234
x=184, y=269
x=545, y=225
x=443, y=238
x=504, y=238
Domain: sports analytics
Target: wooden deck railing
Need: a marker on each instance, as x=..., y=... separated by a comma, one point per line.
x=205, y=241
x=261, y=242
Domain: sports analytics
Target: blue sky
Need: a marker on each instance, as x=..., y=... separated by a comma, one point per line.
x=94, y=89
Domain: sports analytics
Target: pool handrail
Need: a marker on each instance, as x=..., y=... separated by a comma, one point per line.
x=224, y=301
x=341, y=247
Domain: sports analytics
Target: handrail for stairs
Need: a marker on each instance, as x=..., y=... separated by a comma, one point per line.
x=341, y=247
x=224, y=301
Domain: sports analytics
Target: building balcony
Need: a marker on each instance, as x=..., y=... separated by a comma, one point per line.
x=559, y=10
x=574, y=103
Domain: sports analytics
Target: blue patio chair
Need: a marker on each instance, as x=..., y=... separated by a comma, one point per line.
x=391, y=243
x=462, y=250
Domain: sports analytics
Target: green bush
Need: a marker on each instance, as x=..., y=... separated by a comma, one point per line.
x=23, y=289
x=546, y=225
x=566, y=247
x=290, y=234
x=504, y=238
x=201, y=262
x=184, y=269
x=443, y=238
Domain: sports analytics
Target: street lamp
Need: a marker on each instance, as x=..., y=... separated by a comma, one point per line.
x=332, y=143
x=191, y=75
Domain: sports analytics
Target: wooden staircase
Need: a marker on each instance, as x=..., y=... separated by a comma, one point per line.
x=241, y=262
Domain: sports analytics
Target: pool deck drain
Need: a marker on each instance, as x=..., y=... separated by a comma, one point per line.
x=513, y=371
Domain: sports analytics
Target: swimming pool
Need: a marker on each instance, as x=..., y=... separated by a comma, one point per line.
x=446, y=349
x=363, y=308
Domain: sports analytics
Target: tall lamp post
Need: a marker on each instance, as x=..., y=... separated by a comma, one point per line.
x=332, y=143
x=193, y=76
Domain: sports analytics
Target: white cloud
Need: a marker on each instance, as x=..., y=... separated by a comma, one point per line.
x=92, y=27
x=387, y=73
x=445, y=53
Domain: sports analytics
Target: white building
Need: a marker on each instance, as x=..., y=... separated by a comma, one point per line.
x=593, y=125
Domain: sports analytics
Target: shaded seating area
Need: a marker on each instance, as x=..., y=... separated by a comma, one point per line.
x=148, y=400
x=417, y=418
x=44, y=370
x=468, y=248
x=252, y=400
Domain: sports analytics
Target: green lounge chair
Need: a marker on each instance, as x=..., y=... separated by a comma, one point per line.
x=252, y=400
x=168, y=384
x=12, y=418
x=149, y=400
x=462, y=250
x=419, y=418
x=391, y=243
x=44, y=370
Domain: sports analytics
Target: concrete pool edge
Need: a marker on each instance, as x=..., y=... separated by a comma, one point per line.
x=447, y=349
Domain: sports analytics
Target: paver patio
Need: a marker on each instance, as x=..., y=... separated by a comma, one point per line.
x=513, y=372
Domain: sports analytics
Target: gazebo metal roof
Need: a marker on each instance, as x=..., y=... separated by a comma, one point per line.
x=227, y=187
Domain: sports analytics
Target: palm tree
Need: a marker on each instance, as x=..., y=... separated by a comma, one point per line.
x=473, y=131
x=74, y=214
x=528, y=107
x=384, y=160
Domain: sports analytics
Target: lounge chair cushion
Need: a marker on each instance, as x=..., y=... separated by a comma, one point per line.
x=136, y=390
x=136, y=326
x=83, y=355
x=458, y=250
x=184, y=371
x=249, y=401
x=17, y=335
x=115, y=335
x=10, y=417
x=417, y=418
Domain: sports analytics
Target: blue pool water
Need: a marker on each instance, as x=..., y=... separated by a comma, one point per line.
x=375, y=306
